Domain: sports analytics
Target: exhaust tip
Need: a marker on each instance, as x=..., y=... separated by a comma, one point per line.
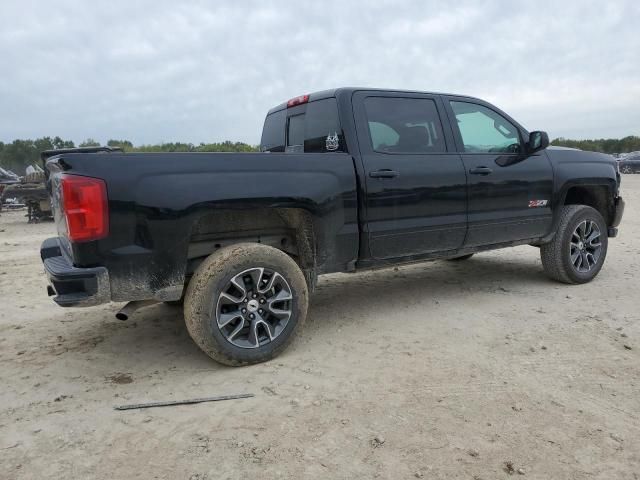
x=130, y=308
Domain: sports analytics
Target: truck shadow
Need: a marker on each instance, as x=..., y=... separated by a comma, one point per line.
x=382, y=292
x=439, y=279
x=156, y=336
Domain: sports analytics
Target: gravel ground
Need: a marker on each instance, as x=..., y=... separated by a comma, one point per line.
x=480, y=370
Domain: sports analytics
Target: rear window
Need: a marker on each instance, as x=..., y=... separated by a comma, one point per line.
x=295, y=131
x=273, y=132
x=312, y=128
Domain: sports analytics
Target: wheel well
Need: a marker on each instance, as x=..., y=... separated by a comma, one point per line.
x=596, y=196
x=287, y=229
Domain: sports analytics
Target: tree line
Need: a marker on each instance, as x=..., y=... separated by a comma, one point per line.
x=606, y=145
x=19, y=154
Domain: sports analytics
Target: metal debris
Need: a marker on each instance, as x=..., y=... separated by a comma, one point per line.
x=183, y=402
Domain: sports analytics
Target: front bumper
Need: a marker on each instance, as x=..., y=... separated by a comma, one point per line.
x=72, y=286
x=617, y=217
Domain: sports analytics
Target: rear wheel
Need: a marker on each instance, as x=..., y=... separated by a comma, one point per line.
x=578, y=250
x=245, y=303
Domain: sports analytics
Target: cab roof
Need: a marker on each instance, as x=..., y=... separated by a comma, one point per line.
x=322, y=94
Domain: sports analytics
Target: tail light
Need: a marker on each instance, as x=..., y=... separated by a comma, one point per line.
x=297, y=101
x=84, y=203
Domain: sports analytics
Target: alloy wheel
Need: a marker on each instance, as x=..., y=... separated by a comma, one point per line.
x=585, y=247
x=254, y=307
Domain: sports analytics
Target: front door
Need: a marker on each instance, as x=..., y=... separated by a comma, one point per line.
x=415, y=182
x=509, y=191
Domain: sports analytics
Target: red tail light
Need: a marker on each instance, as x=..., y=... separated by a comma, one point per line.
x=84, y=203
x=298, y=101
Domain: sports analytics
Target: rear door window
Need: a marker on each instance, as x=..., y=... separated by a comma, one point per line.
x=312, y=128
x=404, y=125
x=322, y=129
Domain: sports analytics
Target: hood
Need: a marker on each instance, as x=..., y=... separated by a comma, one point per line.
x=573, y=155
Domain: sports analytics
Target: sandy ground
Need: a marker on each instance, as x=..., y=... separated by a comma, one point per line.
x=440, y=370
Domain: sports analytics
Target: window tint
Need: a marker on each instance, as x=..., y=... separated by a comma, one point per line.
x=317, y=129
x=273, y=132
x=322, y=132
x=404, y=125
x=483, y=130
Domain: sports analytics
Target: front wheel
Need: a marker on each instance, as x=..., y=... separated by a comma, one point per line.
x=245, y=303
x=578, y=249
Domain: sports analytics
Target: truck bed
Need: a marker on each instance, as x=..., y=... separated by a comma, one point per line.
x=167, y=210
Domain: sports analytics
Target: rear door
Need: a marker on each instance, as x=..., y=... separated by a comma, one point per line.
x=415, y=182
x=509, y=191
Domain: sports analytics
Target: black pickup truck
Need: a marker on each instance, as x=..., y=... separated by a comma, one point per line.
x=346, y=179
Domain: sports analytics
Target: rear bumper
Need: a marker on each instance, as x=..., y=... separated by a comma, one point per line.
x=72, y=286
x=617, y=217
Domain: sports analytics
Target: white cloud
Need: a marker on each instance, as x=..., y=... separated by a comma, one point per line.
x=196, y=71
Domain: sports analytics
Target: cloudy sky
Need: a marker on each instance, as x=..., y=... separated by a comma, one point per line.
x=204, y=71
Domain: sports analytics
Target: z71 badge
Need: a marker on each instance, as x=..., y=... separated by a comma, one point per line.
x=538, y=203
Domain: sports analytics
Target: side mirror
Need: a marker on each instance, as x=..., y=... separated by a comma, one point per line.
x=538, y=140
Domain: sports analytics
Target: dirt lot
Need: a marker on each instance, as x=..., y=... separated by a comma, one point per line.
x=476, y=370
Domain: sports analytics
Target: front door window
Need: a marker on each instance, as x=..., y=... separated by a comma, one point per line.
x=485, y=131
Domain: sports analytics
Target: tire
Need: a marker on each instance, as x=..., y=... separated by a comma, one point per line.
x=213, y=292
x=462, y=257
x=557, y=255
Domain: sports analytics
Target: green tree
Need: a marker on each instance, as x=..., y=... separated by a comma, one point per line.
x=60, y=143
x=90, y=142
x=44, y=143
x=125, y=145
x=17, y=155
x=226, y=146
x=606, y=145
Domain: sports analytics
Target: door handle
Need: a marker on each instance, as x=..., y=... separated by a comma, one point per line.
x=384, y=173
x=480, y=171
